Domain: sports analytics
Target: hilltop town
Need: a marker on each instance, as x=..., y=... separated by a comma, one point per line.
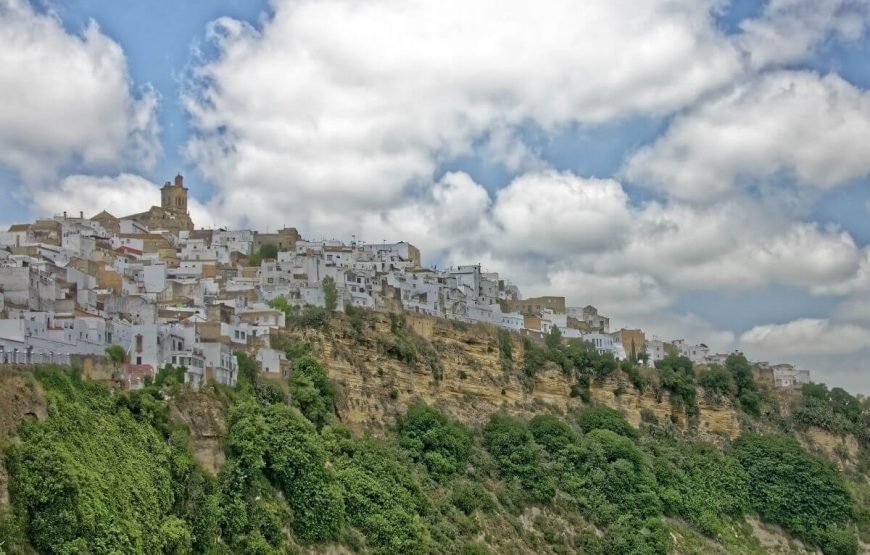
x=167, y=293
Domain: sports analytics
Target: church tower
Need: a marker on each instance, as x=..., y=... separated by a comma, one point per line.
x=173, y=196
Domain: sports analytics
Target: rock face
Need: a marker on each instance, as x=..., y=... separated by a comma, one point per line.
x=459, y=370
x=204, y=414
x=21, y=398
x=842, y=450
x=715, y=420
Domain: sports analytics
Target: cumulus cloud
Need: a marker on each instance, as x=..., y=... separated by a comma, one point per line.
x=67, y=98
x=806, y=336
x=121, y=196
x=558, y=233
x=836, y=352
x=793, y=123
x=788, y=30
x=339, y=106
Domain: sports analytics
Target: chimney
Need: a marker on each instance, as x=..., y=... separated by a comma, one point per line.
x=82, y=215
x=64, y=214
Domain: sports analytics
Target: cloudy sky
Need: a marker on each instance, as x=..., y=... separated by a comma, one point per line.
x=700, y=168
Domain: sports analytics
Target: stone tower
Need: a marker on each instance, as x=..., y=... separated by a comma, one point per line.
x=173, y=196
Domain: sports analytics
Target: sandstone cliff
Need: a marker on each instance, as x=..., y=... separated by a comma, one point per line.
x=459, y=370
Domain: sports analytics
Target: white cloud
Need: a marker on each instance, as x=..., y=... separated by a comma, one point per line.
x=341, y=107
x=788, y=30
x=558, y=233
x=806, y=336
x=67, y=98
x=121, y=196
x=558, y=214
x=793, y=123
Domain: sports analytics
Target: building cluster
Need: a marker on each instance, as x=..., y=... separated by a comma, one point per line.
x=170, y=294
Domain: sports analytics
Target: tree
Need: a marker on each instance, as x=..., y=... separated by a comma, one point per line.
x=441, y=444
x=116, y=354
x=312, y=391
x=553, y=339
x=601, y=417
x=518, y=456
x=799, y=491
x=330, y=293
x=266, y=251
x=716, y=381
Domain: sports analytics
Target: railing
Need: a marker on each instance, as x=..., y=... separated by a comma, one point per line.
x=16, y=356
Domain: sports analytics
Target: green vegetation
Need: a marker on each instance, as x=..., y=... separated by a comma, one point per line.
x=312, y=391
x=701, y=485
x=600, y=417
x=442, y=445
x=518, y=457
x=835, y=411
x=330, y=293
x=802, y=493
x=398, y=344
x=266, y=252
x=116, y=354
x=677, y=376
x=103, y=475
x=110, y=472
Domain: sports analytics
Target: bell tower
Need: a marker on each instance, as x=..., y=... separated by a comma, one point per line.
x=173, y=196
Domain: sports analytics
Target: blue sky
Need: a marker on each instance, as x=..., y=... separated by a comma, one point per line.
x=608, y=170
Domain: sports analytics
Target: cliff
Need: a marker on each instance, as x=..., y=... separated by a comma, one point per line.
x=459, y=370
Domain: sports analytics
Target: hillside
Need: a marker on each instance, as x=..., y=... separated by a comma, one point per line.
x=411, y=434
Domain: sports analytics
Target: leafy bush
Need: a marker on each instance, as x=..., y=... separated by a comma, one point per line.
x=701, y=485
x=312, y=317
x=716, y=381
x=551, y=433
x=312, y=391
x=399, y=348
x=610, y=476
x=600, y=417
x=297, y=349
x=517, y=456
x=471, y=496
x=747, y=390
x=441, y=444
x=633, y=373
x=381, y=497
x=93, y=476
x=295, y=462
x=677, y=375
x=330, y=293
x=790, y=487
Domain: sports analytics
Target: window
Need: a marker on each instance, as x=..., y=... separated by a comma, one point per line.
x=138, y=360
x=139, y=345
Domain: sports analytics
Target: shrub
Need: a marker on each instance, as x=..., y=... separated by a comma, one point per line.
x=295, y=461
x=92, y=475
x=677, y=376
x=505, y=345
x=441, y=444
x=517, y=456
x=600, y=417
x=551, y=433
x=381, y=497
x=471, y=496
x=701, y=484
x=312, y=391
x=716, y=381
x=788, y=486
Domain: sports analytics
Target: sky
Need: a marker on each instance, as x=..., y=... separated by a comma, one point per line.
x=698, y=168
